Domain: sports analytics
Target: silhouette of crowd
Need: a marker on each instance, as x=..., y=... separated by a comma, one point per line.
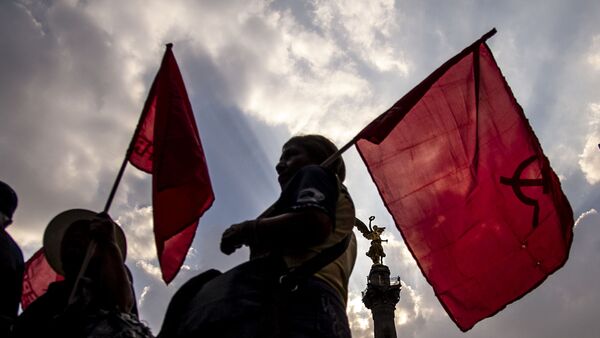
x=295, y=284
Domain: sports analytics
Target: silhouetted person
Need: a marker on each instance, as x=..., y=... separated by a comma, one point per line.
x=313, y=212
x=11, y=262
x=302, y=251
x=99, y=303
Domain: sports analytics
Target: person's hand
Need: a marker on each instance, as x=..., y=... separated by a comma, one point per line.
x=235, y=236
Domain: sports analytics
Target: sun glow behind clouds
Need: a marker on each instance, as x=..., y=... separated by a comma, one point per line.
x=325, y=80
x=319, y=80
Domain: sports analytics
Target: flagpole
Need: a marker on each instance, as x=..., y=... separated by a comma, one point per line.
x=339, y=153
x=117, y=181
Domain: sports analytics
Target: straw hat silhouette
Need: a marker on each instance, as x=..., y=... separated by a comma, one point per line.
x=56, y=229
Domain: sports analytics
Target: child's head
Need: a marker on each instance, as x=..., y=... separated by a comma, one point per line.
x=318, y=148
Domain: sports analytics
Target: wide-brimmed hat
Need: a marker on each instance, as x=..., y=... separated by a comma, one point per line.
x=55, y=232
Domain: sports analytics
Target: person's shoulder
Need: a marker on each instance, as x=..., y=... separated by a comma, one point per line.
x=35, y=320
x=9, y=247
x=47, y=304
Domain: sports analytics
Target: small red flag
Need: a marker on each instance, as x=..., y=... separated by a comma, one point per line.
x=465, y=179
x=167, y=145
x=37, y=277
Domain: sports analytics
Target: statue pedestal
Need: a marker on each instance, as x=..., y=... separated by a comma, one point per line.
x=381, y=298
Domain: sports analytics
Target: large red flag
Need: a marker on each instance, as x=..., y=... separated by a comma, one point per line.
x=167, y=145
x=466, y=181
x=37, y=277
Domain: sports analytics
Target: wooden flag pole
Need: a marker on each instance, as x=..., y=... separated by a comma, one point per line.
x=118, y=179
x=339, y=153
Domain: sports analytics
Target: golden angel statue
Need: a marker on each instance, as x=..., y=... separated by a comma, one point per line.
x=373, y=233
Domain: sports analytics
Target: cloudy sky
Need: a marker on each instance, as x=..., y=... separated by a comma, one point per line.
x=74, y=76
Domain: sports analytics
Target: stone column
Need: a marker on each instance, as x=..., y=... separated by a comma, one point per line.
x=381, y=298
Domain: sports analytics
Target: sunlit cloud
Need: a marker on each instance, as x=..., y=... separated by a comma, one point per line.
x=397, y=251
x=322, y=87
x=137, y=223
x=589, y=159
x=359, y=317
x=149, y=268
x=368, y=27
x=593, y=56
x=323, y=91
x=585, y=215
x=143, y=295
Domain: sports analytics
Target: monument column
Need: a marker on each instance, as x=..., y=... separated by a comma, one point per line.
x=381, y=298
x=382, y=294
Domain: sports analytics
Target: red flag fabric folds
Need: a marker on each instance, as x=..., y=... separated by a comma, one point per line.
x=37, y=277
x=167, y=145
x=466, y=181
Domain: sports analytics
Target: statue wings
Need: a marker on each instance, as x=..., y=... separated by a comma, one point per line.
x=362, y=227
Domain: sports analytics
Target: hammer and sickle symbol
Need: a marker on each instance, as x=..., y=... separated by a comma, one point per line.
x=516, y=182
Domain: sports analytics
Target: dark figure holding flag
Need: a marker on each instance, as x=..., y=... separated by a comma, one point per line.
x=302, y=251
x=96, y=301
x=313, y=212
x=166, y=144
